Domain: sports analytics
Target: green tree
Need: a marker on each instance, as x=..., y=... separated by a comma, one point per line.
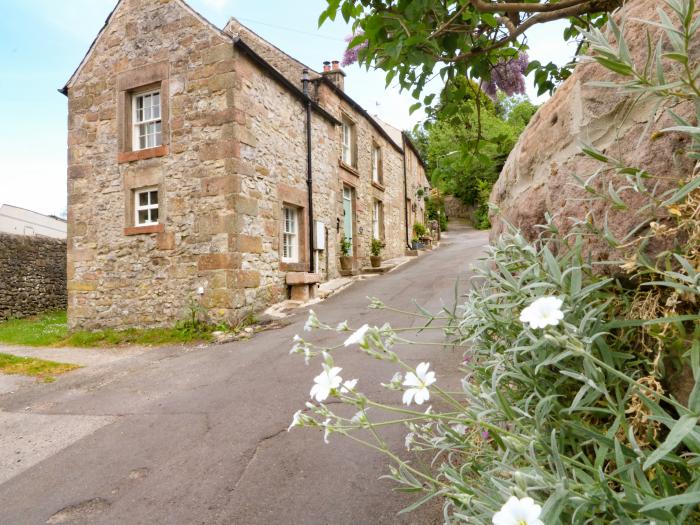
x=467, y=144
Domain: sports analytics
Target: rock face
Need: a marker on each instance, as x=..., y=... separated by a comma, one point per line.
x=32, y=275
x=539, y=175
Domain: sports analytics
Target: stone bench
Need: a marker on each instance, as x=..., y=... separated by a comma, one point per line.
x=303, y=285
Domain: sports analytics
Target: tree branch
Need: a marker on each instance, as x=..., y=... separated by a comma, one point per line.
x=513, y=7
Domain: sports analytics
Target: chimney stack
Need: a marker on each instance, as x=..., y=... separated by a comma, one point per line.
x=332, y=71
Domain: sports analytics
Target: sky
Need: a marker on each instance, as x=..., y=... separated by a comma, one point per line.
x=43, y=41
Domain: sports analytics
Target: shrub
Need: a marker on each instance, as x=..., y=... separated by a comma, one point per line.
x=567, y=394
x=376, y=247
x=419, y=230
x=435, y=210
x=345, y=246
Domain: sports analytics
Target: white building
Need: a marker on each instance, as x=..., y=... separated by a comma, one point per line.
x=19, y=221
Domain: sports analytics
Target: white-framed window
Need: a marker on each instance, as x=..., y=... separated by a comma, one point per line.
x=348, y=139
x=377, y=219
x=147, y=130
x=376, y=164
x=146, y=207
x=290, y=235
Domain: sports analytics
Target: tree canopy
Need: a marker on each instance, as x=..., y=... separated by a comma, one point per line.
x=415, y=40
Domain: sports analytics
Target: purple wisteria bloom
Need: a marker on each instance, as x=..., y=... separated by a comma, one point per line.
x=508, y=76
x=352, y=53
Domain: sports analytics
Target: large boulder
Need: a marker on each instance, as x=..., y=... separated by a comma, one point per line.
x=539, y=175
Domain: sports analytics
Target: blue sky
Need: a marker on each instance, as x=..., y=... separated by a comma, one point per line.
x=43, y=41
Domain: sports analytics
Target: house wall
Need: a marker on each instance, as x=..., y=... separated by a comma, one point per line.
x=32, y=275
x=118, y=277
x=390, y=193
x=233, y=153
x=416, y=179
x=273, y=172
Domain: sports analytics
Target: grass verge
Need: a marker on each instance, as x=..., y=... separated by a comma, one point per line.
x=51, y=329
x=29, y=366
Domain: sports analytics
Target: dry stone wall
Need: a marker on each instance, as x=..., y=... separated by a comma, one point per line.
x=32, y=275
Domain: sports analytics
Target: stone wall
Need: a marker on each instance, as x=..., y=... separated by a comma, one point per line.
x=120, y=276
x=456, y=209
x=32, y=275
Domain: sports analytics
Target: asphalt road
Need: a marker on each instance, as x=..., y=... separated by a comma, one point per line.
x=198, y=435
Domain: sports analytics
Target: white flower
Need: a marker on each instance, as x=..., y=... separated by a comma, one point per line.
x=359, y=417
x=408, y=441
x=358, y=337
x=325, y=382
x=342, y=327
x=327, y=432
x=296, y=420
x=518, y=512
x=460, y=428
x=418, y=384
x=545, y=311
x=348, y=386
x=311, y=322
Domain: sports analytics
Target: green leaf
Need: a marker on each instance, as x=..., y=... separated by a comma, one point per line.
x=684, y=426
x=689, y=498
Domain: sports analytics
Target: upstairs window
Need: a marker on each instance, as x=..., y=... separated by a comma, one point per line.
x=290, y=235
x=147, y=132
x=378, y=220
x=377, y=177
x=146, y=207
x=348, y=154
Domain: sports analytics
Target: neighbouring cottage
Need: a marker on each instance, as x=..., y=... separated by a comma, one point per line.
x=191, y=153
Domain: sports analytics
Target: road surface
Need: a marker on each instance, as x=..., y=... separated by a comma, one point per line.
x=192, y=435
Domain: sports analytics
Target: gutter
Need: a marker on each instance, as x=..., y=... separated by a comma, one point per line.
x=309, y=172
x=405, y=192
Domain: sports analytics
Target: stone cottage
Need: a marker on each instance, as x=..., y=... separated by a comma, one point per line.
x=207, y=165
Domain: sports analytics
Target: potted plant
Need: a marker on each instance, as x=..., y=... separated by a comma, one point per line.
x=345, y=257
x=376, y=250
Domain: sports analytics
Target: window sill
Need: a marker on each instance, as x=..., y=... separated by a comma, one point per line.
x=142, y=230
x=378, y=186
x=143, y=154
x=349, y=168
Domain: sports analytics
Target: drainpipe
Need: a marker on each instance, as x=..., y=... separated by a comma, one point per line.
x=405, y=191
x=309, y=173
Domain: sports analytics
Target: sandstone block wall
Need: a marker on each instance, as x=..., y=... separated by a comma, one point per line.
x=32, y=275
x=146, y=279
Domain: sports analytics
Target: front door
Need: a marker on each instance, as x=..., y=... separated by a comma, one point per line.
x=347, y=214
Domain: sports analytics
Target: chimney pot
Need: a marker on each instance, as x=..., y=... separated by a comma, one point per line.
x=326, y=66
x=336, y=65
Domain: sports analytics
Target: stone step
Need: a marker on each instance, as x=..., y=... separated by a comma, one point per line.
x=382, y=269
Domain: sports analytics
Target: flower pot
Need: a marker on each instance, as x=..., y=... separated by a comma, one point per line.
x=345, y=262
x=376, y=260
